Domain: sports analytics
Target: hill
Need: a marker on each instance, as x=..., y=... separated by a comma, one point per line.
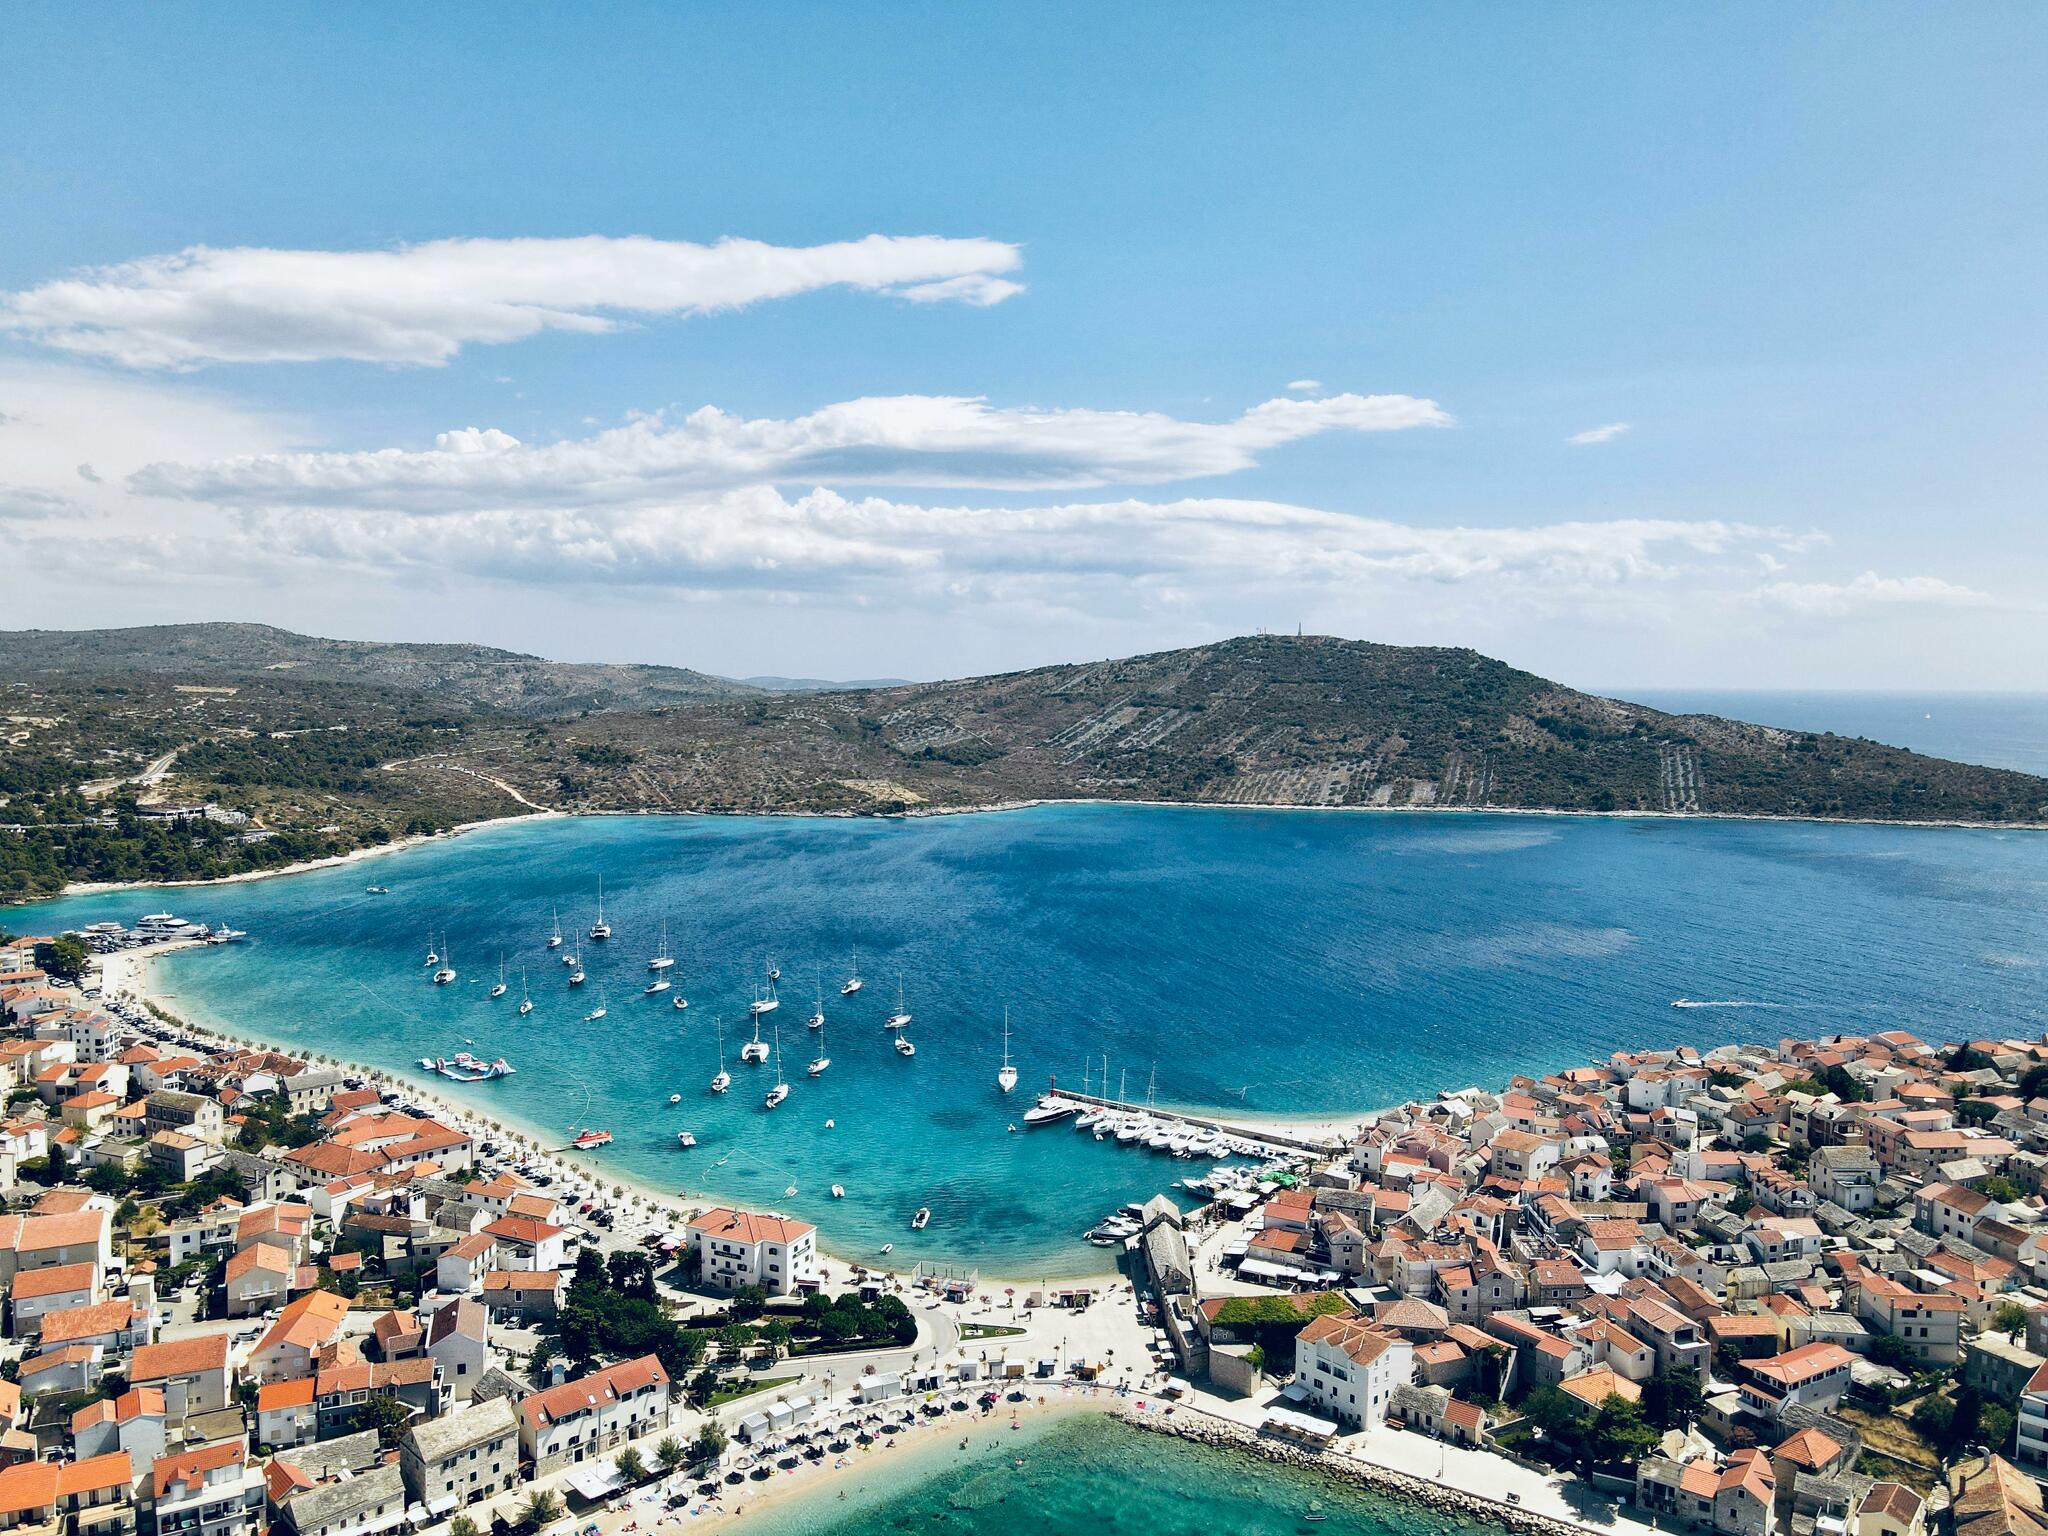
x=304, y=747
x=467, y=677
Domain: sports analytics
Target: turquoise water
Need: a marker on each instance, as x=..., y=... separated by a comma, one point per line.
x=1093, y=1474
x=1263, y=961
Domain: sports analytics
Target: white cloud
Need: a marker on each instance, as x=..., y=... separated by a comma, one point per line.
x=422, y=304
x=1835, y=599
x=1592, y=435
x=1305, y=386
x=911, y=440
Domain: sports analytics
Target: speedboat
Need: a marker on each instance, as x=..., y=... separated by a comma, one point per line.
x=1050, y=1107
x=685, y=1139
x=376, y=890
x=838, y=1191
x=922, y=1219
x=682, y=1001
x=888, y=1248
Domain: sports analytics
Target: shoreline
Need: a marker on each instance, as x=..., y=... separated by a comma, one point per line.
x=130, y=973
x=422, y=839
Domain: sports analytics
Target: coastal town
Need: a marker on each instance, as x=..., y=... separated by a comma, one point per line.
x=1797, y=1288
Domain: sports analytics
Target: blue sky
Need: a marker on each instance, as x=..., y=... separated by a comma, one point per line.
x=1789, y=261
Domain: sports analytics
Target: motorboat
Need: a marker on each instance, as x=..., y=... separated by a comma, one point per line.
x=685, y=1139
x=922, y=1219
x=590, y=1141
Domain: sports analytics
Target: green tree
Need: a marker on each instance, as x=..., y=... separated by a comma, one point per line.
x=462, y=1525
x=2034, y=1082
x=2010, y=1317
x=1967, y=1058
x=669, y=1453
x=540, y=1509
x=386, y=1415
x=64, y=956
x=1619, y=1432
x=749, y=1302
x=734, y=1340
x=777, y=1337
x=630, y=1465
x=1672, y=1399
x=709, y=1444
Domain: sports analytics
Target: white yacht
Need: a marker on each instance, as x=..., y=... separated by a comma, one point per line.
x=447, y=972
x=901, y=1016
x=1050, y=1107
x=1006, y=1079
x=821, y=1061
x=433, y=954
x=768, y=1003
x=685, y=1139
x=780, y=1091
x=599, y=1011
x=525, y=1001
x=570, y=959
x=853, y=982
x=662, y=958
x=555, y=938
x=659, y=984
x=499, y=989
x=922, y=1219
x=723, y=1080
x=756, y=1049
x=904, y=1047
x=576, y=977
x=600, y=930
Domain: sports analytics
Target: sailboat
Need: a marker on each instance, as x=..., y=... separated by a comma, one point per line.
x=525, y=1002
x=755, y=1049
x=447, y=972
x=576, y=976
x=723, y=1080
x=499, y=989
x=901, y=1016
x=433, y=955
x=769, y=1003
x=821, y=1061
x=600, y=930
x=853, y=981
x=781, y=1089
x=662, y=959
x=555, y=938
x=599, y=1011
x=817, y=1018
x=1007, y=1078
x=659, y=984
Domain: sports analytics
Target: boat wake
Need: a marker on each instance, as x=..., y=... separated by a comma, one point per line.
x=1736, y=1002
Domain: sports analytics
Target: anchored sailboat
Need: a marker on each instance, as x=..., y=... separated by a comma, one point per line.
x=755, y=1050
x=499, y=989
x=817, y=1018
x=555, y=938
x=447, y=972
x=600, y=930
x=901, y=1016
x=853, y=982
x=723, y=1080
x=781, y=1089
x=662, y=958
x=525, y=1002
x=1006, y=1079
x=821, y=1061
x=599, y=1011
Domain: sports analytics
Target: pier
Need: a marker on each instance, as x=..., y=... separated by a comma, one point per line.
x=1269, y=1138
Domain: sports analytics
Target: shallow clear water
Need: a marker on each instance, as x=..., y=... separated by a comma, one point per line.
x=1092, y=1474
x=1263, y=961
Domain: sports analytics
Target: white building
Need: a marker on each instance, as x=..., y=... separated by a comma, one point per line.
x=736, y=1248
x=1346, y=1369
x=586, y=1418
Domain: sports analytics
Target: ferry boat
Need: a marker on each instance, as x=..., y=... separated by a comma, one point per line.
x=1006, y=1079
x=590, y=1141
x=922, y=1219
x=600, y=930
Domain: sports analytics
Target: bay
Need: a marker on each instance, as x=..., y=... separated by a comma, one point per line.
x=1258, y=962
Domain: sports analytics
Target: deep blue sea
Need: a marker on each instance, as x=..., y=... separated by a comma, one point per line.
x=1262, y=961
x=1999, y=730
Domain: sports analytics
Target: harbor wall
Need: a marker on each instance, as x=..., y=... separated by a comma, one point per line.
x=1271, y=1138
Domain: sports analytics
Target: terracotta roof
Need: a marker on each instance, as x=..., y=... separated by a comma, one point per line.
x=188, y=1469
x=1594, y=1387
x=1363, y=1342
x=297, y=1393
x=543, y=1409
x=1809, y=1448
x=182, y=1357
x=32, y=1283
x=89, y=1322
x=308, y=1322
x=748, y=1227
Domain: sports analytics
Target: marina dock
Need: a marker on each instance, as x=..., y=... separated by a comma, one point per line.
x=1280, y=1143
